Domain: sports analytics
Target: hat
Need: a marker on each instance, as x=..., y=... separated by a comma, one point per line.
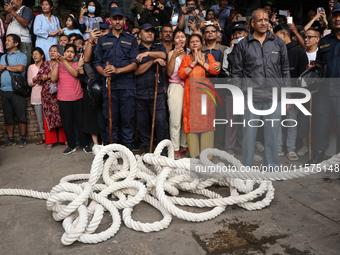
x=146, y=26
x=117, y=11
x=104, y=26
x=336, y=8
x=239, y=27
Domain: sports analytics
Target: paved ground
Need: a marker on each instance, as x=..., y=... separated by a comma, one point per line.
x=304, y=217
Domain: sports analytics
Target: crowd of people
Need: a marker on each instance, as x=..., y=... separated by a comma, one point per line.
x=181, y=48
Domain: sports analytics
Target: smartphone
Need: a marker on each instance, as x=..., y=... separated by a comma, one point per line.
x=191, y=9
x=96, y=25
x=228, y=7
x=175, y=19
x=241, y=19
x=289, y=20
x=83, y=4
x=321, y=9
x=283, y=13
x=60, y=49
x=191, y=18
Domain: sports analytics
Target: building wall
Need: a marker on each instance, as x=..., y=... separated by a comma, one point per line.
x=32, y=133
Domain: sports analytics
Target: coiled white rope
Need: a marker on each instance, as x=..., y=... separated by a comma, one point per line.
x=81, y=206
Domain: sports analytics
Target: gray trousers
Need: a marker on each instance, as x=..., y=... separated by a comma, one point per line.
x=39, y=114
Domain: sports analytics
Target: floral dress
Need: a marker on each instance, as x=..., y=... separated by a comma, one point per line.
x=49, y=102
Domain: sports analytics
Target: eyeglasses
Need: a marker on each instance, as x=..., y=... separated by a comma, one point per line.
x=208, y=31
x=309, y=37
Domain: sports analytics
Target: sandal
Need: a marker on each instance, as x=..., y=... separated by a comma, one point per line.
x=292, y=156
x=177, y=155
x=40, y=142
x=281, y=153
x=49, y=146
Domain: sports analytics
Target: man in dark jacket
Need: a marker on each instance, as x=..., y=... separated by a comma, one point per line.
x=150, y=56
x=262, y=59
x=297, y=65
x=327, y=99
x=153, y=14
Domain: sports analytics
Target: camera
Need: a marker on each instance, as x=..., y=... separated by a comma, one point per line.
x=81, y=50
x=155, y=5
x=191, y=9
x=321, y=9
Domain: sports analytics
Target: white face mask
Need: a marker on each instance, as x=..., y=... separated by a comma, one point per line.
x=181, y=2
x=236, y=41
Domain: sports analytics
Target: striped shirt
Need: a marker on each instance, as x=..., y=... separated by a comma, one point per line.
x=88, y=21
x=69, y=87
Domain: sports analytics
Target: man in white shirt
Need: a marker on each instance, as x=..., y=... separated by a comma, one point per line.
x=22, y=19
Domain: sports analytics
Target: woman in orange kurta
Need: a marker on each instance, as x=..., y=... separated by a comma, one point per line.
x=193, y=70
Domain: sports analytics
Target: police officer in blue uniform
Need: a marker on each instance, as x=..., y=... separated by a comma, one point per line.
x=327, y=99
x=120, y=50
x=150, y=55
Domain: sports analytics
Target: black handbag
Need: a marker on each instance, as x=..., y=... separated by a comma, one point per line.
x=19, y=83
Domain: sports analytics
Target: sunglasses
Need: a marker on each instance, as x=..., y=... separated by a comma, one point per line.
x=208, y=31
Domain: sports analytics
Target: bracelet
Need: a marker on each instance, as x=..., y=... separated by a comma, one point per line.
x=190, y=67
x=80, y=68
x=90, y=42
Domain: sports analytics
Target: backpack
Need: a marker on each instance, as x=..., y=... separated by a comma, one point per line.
x=30, y=26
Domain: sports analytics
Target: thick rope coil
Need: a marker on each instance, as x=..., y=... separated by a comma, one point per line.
x=123, y=180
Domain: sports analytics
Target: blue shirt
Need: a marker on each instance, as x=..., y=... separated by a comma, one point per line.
x=119, y=52
x=223, y=16
x=145, y=83
x=329, y=53
x=16, y=58
x=68, y=32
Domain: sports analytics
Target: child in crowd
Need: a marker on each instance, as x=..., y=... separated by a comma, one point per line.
x=71, y=26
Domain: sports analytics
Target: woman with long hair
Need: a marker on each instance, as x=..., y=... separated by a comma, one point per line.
x=176, y=93
x=70, y=98
x=72, y=26
x=193, y=70
x=53, y=126
x=38, y=57
x=46, y=28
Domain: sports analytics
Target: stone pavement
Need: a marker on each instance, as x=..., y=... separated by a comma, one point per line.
x=303, y=218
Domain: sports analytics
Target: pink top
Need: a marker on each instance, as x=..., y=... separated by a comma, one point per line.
x=36, y=88
x=174, y=77
x=69, y=88
x=2, y=34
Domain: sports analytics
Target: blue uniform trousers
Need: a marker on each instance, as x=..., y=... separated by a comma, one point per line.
x=325, y=110
x=144, y=111
x=123, y=107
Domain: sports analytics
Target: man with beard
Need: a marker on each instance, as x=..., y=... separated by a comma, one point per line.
x=261, y=62
x=120, y=50
x=150, y=56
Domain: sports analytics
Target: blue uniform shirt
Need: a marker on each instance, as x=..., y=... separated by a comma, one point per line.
x=146, y=82
x=15, y=58
x=120, y=52
x=329, y=53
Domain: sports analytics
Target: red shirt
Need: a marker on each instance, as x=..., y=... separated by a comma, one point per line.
x=69, y=87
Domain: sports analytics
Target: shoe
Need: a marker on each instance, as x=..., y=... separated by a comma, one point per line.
x=146, y=149
x=317, y=157
x=257, y=157
x=303, y=151
x=8, y=143
x=22, y=143
x=177, y=155
x=49, y=146
x=184, y=151
x=135, y=146
x=69, y=150
x=231, y=152
x=87, y=149
x=292, y=156
x=281, y=153
x=259, y=147
x=129, y=146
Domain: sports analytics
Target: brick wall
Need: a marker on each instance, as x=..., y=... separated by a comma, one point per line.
x=32, y=133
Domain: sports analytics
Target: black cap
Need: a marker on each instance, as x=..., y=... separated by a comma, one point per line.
x=336, y=8
x=239, y=27
x=146, y=26
x=117, y=11
x=104, y=26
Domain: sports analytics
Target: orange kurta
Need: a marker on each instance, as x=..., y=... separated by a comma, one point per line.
x=193, y=120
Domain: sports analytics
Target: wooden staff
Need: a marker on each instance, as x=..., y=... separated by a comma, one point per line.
x=110, y=109
x=154, y=109
x=310, y=127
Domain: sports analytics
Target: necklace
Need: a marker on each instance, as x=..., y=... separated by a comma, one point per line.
x=53, y=27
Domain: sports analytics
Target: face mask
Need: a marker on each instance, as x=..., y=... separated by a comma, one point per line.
x=181, y=2
x=236, y=41
x=91, y=9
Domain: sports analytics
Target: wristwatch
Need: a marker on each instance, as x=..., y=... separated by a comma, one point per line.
x=5, y=67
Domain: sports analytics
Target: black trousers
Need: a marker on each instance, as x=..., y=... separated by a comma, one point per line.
x=72, y=114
